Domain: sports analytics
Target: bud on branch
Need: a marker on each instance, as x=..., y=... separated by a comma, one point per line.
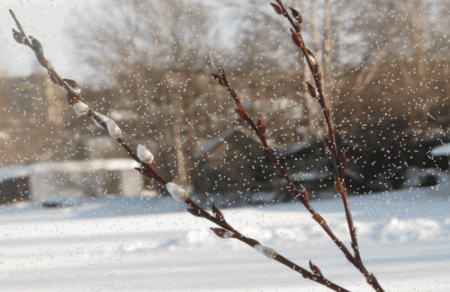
x=18, y=36
x=217, y=61
x=311, y=58
x=102, y=118
x=113, y=129
x=222, y=233
x=177, y=192
x=277, y=9
x=311, y=90
x=80, y=108
x=296, y=15
x=219, y=79
x=217, y=213
x=261, y=126
x=315, y=269
x=144, y=154
x=241, y=114
x=267, y=251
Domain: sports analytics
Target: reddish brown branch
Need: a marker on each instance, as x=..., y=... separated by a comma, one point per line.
x=219, y=220
x=74, y=96
x=303, y=197
x=340, y=161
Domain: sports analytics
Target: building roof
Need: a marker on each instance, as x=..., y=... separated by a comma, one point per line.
x=86, y=165
x=11, y=172
x=443, y=150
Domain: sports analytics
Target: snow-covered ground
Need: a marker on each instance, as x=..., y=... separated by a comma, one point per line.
x=151, y=244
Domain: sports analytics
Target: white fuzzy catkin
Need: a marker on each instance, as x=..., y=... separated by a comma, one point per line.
x=103, y=118
x=217, y=61
x=177, y=192
x=267, y=251
x=80, y=108
x=228, y=234
x=144, y=154
x=312, y=60
x=113, y=129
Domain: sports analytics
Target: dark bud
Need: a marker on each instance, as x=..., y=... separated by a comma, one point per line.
x=311, y=90
x=315, y=269
x=223, y=233
x=39, y=51
x=217, y=213
x=74, y=93
x=194, y=212
x=297, y=16
x=296, y=39
x=328, y=143
x=317, y=73
x=18, y=36
x=305, y=195
x=37, y=46
x=75, y=87
x=339, y=186
x=218, y=79
x=344, y=161
x=241, y=114
x=261, y=126
x=277, y=8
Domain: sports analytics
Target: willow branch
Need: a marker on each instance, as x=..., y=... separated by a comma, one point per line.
x=339, y=160
x=145, y=158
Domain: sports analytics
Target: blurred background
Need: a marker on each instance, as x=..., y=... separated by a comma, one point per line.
x=146, y=65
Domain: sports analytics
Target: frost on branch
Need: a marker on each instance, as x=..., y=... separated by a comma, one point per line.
x=144, y=154
x=80, y=108
x=267, y=251
x=177, y=192
x=113, y=129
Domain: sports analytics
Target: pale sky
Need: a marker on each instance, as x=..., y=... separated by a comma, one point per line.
x=43, y=20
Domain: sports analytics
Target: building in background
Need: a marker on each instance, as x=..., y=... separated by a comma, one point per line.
x=73, y=179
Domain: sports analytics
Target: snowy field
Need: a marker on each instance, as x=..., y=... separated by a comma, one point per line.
x=150, y=244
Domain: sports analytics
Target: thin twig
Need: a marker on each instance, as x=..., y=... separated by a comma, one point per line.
x=74, y=95
x=340, y=161
x=303, y=196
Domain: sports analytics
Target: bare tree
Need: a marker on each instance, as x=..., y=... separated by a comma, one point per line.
x=130, y=40
x=406, y=35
